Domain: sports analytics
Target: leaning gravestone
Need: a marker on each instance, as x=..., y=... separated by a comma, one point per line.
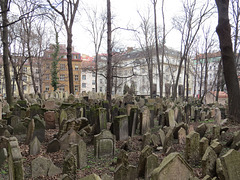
x=49, y=118
x=209, y=162
x=170, y=121
x=172, y=167
x=34, y=146
x=181, y=136
x=53, y=146
x=101, y=120
x=151, y=164
x=39, y=130
x=104, y=144
x=147, y=151
x=70, y=137
x=231, y=163
x=70, y=165
x=133, y=119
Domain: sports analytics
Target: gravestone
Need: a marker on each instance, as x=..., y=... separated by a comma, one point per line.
x=39, y=130
x=147, y=151
x=133, y=120
x=161, y=136
x=120, y=127
x=230, y=164
x=15, y=161
x=34, y=146
x=170, y=120
x=172, y=167
x=49, y=105
x=49, y=118
x=91, y=177
x=104, y=144
x=192, y=146
x=182, y=136
x=53, y=146
x=30, y=131
x=217, y=116
x=144, y=120
x=40, y=166
x=209, y=162
x=70, y=137
x=203, y=144
x=101, y=120
x=81, y=154
x=151, y=164
x=70, y=165
x=201, y=129
x=121, y=173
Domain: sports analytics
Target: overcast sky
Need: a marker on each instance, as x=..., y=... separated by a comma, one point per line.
x=125, y=16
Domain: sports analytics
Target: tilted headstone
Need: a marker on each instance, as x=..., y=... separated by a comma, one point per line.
x=30, y=131
x=133, y=119
x=70, y=165
x=40, y=166
x=104, y=144
x=170, y=121
x=209, y=162
x=231, y=163
x=101, y=120
x=151, y=164
x=39, y=130
x=182, y=136
x=172, y=167
x=53, y=146
x=147, y=151
x=203, y=144
x=34, y=146
x=217, y=116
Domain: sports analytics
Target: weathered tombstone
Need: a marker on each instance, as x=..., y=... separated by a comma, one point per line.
x=190, y=129
x=70, y=137
x=230, y=164
x=144, y=120
x=161, y=136
x=132, y=123
x=146, y=140
x=203, y=144
x=30, y=131
x=34, y=146
x=63, y=116
x=216, y=132
x=15, y=161
x=81, y=154
x=39, y=130
x=53, y=146
x=170, y=121
x=202, y=115
x=49, y=105
x=40, y=166
x=120, y=127
x=172, y=167
x=209, y=162
x=182, y=136
x=168, y=139
x=216, y=146
x=101, y=120
x=121, y=173
x=49, y=118
x=147, y=151
x=151, y=164
x=201, y=129
x=70, y=165
x=104, y=144
x=192, y=146
x=217, y=116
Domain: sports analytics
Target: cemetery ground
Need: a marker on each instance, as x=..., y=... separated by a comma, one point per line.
x=107, y=164
x=66, y=138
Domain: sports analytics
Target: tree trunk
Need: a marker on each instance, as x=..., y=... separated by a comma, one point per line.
x=206, y=73
x=69, y=59
x=163, y=49
x=229, y=66
x=177, y=79
x=109, y=59
x=156, y=44
x=219, y=73
x=96, y=71
x=4, y=9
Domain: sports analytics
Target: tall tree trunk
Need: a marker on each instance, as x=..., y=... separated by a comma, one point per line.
x=177, y=79
x=96, y=72
x=163, y=49
x=4, y=9
x=156, y=44
x=219, y=74
x=206, y=73
x=229, y=66
x=69, y=59
x=109, y=59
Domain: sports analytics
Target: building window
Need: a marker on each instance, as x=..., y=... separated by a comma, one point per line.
x=24, y=78
x=24, y=87
x=76, y=78
x=93, y=82
x=100, y=89
x=46, y=88
x=93, y=89
x=76, y=88
x=24, y=69
x=62, y=77
x=93, y=74
x=84, y=85
x=62, y=66
x=101, y=81
x=47, y=77
x=61, y=88
x=84, y=77
x=76, y=68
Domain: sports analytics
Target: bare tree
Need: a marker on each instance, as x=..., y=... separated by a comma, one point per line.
x=229, y=66
x=96, y=29
x=67, y=10
x=5, y=5
x=188, y=26
x=146, y=43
